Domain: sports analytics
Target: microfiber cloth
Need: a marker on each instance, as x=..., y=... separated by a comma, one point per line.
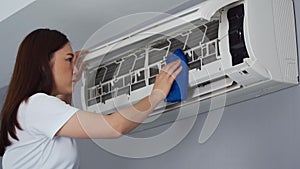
x=178, y=91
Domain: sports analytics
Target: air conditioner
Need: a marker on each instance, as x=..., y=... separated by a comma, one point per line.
x=238, y=48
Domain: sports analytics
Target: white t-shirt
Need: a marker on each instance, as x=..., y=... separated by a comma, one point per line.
x=38, y=147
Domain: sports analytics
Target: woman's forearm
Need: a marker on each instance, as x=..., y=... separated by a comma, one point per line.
x=129, y=118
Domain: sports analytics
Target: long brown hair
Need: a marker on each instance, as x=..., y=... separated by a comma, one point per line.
x=32, y=74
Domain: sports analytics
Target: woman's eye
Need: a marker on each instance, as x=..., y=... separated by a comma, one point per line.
x=70, y=59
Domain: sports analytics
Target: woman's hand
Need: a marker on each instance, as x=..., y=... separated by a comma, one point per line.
x=78, y=69
x=165, y=79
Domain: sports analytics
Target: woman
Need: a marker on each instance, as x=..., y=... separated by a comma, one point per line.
x=37, y=123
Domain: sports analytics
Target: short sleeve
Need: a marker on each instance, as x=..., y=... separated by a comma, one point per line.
x=45, y=114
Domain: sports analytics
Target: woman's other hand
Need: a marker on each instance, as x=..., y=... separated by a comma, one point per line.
x=79, y=64
x=165, y=79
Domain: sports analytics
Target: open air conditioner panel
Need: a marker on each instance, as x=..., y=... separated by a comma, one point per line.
x=135, y=70
x=219, y=40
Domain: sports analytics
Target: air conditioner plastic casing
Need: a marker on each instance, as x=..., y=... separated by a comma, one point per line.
x=238, y=48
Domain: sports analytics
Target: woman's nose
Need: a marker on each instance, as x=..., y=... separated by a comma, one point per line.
x=75, y=70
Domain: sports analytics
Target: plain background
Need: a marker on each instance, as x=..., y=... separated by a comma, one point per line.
x=262, y=133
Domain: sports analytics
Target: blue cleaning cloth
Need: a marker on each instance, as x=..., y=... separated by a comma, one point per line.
x=179, y=87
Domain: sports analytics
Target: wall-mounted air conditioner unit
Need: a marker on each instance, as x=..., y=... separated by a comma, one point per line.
x=241, y=48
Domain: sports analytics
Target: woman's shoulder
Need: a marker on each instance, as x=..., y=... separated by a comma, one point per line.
x=42, y=95
x=38, y=102
x=42, y=102
x=42, y=99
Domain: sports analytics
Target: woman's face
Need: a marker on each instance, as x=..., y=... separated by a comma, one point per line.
x=63, y=68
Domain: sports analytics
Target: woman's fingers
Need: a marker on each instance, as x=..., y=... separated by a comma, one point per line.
x=78, y=60
x=79, y=53
x=169, y=68
x=172, y=69
x=165, y=78
x=176, y=73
